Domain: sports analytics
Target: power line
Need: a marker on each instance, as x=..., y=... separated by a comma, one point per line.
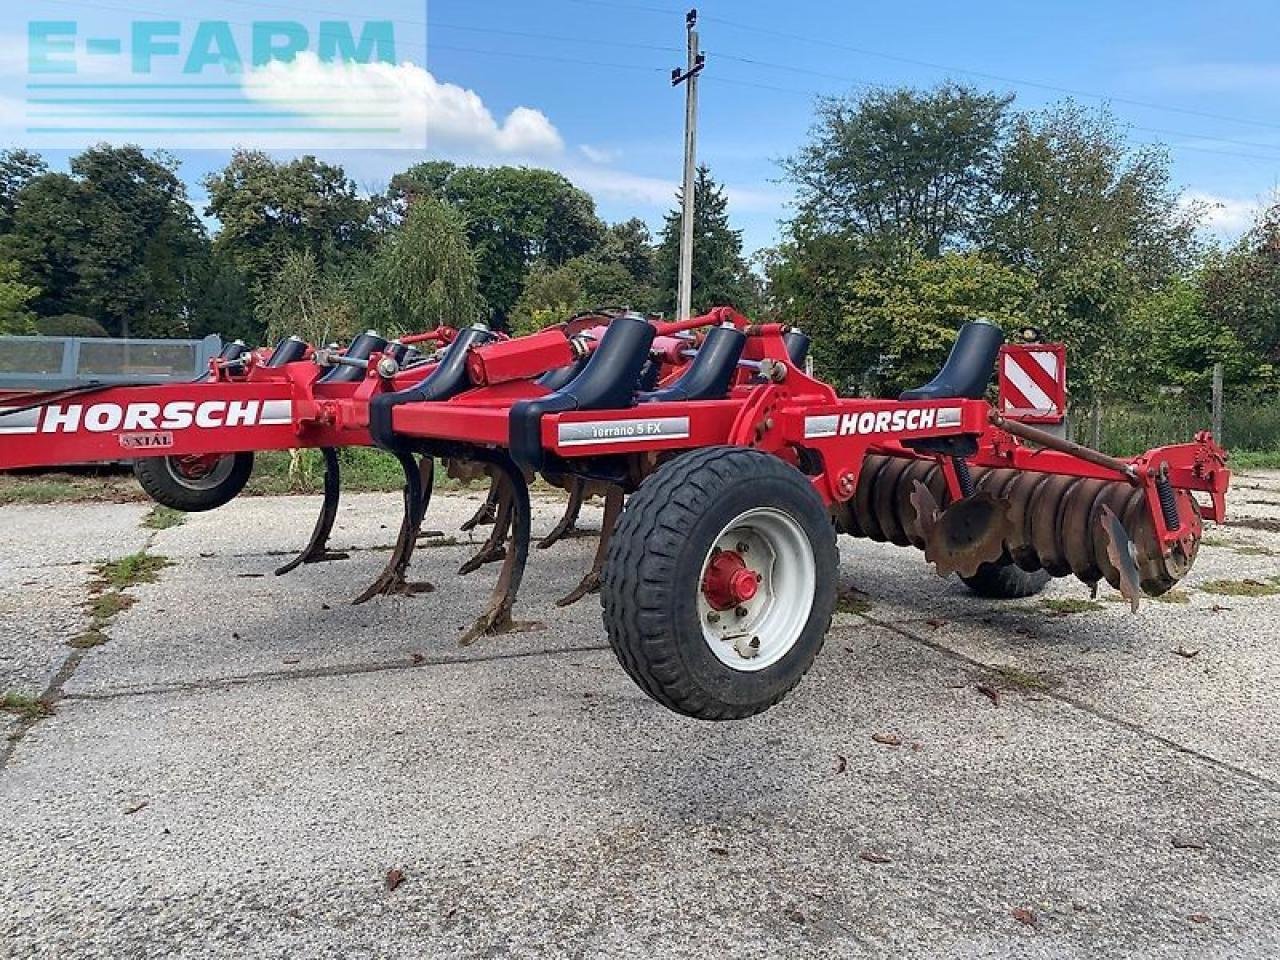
x=1000, y=78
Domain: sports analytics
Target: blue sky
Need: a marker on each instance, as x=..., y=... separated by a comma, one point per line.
x=589, y=83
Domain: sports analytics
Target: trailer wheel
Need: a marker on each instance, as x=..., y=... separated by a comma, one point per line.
x=720, y=582
x=1004, y=580
x=196, y=483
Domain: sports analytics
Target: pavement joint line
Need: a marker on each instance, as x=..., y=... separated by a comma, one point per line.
x=1085, y=707
x=337, y=670
x=53, y=692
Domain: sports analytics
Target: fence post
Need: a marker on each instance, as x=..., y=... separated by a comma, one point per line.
x=1095, y=422
x=1217, y=403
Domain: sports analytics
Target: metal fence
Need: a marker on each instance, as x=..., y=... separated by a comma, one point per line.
x=52, y=363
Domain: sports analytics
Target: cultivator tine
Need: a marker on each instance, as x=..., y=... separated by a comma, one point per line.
x=568, y=522
x=1120, y=552
x=488, y=511
x=494, y=548
x=418, y=483
x=497, y=617
x=591, y=582
x=317, y=548
x=970, y=532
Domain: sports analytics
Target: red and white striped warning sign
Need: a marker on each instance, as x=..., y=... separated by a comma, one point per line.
x=1033, y=381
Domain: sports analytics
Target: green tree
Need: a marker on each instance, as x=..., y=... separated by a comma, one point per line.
x=553, y=294
x=720, y=274
x=901, y=168
x=15, y=299
x=268, y=210
x=1241, y=288
x=1097, y=224
x=423, y=273
x=17, y=169
x=115, y=240
x=310, y=300
x=515, y=216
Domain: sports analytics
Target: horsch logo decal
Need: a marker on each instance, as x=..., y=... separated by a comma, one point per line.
x=881, y=421
x=152, y=417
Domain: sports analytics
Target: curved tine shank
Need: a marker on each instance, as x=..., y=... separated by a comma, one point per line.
x=317, y=548
x=568, y=522
x=488, y=511
x=591, y=582
x=494, y=548
x=497, y=617
x=417, y=496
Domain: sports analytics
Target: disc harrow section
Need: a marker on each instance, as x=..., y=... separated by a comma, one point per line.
x=1046, y=521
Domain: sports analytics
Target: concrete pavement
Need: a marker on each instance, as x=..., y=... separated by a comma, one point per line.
x=235, y=772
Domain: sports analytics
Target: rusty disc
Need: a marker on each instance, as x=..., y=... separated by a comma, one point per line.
x=1019, y=494
x=1043, y=524
x=872, y=470
x=884, y=500
x=1077, y=532
x=970, y=532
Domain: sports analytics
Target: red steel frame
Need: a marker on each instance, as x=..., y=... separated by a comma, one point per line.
x=787, y=413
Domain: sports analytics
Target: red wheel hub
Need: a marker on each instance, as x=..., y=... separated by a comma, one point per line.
x=196, y=466
x=728, y=581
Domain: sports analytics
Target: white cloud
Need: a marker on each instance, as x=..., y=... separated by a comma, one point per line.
x=1227, y=217
x=599, y=154
x=404, y=95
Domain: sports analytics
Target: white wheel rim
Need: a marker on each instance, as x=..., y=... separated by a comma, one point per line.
x=215, y=477
x=753, y=634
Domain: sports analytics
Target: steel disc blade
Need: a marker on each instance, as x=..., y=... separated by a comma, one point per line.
x=926, y=508
x=1120, y=553
x=970, y=532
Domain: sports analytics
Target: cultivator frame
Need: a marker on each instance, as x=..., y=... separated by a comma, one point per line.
x=603, y=403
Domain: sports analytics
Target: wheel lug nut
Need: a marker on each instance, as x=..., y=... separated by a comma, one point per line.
x=743, y=548
x=740, y=612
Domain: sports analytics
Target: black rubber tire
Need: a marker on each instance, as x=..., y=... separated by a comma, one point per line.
x=162, y=486
x=1005, y=580
x=651, y=577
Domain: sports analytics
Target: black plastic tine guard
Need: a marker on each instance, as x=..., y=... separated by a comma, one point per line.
x=448, y=379
x=968, y=368
x=608, y=382
x=710, y=373
x=362, y=348
x=798, y=345
x=288, y=350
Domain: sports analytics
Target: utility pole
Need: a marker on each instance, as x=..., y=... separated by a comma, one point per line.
x=689, y=77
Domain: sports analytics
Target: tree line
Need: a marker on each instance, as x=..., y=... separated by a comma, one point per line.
x=114, y=247
x=916, y=210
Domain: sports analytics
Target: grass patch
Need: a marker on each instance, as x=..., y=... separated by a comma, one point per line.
x=1068, y=605
x=1254, y=459
x=107, y=597
x=129, y=571
x=1253, y=550
x=101, y=484
x=1172, y=596
x=276, y=473
x=1243, y=588
x=24, y=705
x=162, y=518
x=93, y=637
x=853, y=601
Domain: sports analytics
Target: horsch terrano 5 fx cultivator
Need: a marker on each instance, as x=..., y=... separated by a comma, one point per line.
x=738, y=469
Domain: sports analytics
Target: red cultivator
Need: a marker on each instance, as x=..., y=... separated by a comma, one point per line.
x=718, y=579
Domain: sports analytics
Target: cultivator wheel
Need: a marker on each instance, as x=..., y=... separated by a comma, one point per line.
x=194, y=484
x=720, y=582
